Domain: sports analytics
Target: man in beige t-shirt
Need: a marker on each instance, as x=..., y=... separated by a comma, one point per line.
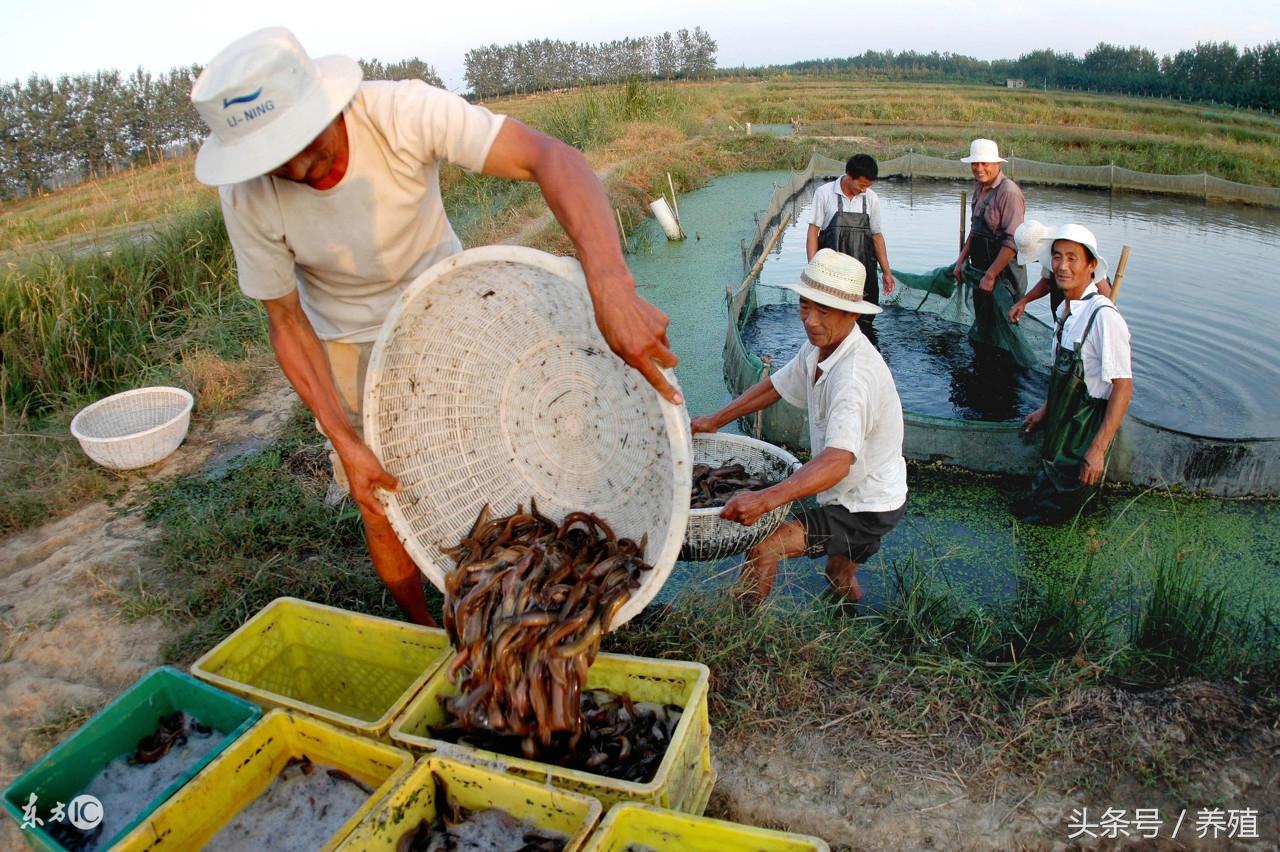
x=330, y=191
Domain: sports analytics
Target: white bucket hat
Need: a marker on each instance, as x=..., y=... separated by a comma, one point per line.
x=983, y=151
x=1076, y=234
x=265, y=100
x=1027, y=237
x=836, y=280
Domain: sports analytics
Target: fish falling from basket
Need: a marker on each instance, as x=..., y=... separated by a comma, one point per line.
x=733, y=463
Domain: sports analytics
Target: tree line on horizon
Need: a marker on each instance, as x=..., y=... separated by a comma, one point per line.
x=1210, y=71
x=57, y=132
x=540, y=65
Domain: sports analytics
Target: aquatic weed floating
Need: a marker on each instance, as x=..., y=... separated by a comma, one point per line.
x=490, y=384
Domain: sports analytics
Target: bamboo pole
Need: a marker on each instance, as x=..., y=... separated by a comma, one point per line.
x=777, y=235
x=675, y=208
x=623, y=229
x=964, y=204
x=1115, y=282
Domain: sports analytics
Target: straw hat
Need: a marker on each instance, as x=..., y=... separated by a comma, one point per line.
x=983, y=151
x=835, y=280
x=265, y=99
x=1027, y=237
x=1076, y=234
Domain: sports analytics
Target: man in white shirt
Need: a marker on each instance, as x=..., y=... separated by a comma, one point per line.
x=846, y=217
x=1089, y=389
x=330, y=191
x=856, y=470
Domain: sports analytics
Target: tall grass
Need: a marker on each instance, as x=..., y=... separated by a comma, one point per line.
x=1181, y=624
x=594, y=116
x=72, y=329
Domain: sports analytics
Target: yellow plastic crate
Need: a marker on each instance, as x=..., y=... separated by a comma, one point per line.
x=476, y=787
x=245, y=770
x=668, y=831
x=356, y=671
x=685, y=776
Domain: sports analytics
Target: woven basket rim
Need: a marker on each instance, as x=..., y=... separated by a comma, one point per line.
x=188, y=402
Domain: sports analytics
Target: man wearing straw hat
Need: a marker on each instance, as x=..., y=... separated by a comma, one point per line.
x=330, y=191
x=1090, y=386
x=998, y=209
x=856, y=470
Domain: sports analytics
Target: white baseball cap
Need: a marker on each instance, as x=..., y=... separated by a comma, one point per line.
x=983, y=151
x=836, y=280
x=265, y=100
x=1076, y=234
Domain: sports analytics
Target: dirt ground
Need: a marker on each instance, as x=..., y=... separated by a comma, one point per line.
x=74, y=633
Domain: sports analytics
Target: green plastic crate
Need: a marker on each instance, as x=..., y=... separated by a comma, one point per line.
x=353, y=670
x=115, y=730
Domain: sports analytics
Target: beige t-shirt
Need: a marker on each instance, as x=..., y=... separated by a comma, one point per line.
x=351, y=250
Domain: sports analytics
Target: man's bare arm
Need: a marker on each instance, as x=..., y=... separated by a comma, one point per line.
x=305, y=364
x=634, y=329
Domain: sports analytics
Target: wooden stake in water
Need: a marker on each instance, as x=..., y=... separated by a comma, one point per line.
x=623, y=229
x=964, y=204
x=1115, y=282
x=675, y=208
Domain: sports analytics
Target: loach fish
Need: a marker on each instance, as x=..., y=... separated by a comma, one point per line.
x=526, y=607
x=714, y=487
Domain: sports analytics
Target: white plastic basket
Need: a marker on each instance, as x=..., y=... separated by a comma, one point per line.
x=135, y=428
x=708, y=536
x=490, y=383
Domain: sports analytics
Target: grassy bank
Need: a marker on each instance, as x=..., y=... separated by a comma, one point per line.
x=1066, y=682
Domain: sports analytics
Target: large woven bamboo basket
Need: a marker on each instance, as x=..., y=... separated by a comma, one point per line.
x=490, y=383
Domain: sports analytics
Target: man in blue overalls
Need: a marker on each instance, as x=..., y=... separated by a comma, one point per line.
x=846, y=218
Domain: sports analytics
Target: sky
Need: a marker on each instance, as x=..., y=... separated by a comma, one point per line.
x=57, y=37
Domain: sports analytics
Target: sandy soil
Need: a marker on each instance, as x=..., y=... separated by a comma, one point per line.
x=67, y=650
x=65, y=645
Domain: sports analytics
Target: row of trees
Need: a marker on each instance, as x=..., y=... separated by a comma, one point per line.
x=1216, y=71
x=56, y=132
x=545, y=64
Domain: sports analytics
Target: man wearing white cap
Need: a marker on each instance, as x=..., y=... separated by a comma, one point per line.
x=330, y=191
x=997, y=210
x=856, y=470
x=1090, y=386
x=1030, y=237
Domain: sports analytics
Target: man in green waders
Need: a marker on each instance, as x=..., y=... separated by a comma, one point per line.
x=1089, y=389
x=846, y=218
x=998, y=209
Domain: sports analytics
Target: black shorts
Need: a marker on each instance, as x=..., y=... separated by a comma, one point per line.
x=835, y=531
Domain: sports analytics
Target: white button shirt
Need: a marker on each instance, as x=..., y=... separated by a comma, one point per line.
x=855, y=407
x=826, y=203
x=1106, y=352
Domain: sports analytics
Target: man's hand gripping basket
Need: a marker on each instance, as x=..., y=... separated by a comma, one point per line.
x=710, y=537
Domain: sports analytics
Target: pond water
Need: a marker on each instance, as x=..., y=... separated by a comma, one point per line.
x=936, y=369
x=1201, y=292
x=961, y=530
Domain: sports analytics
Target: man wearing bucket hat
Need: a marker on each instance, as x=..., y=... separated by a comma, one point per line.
x=1029, y=238
x=330, y=192
x=1090, y=386
x=997, y=210
x=856, y=470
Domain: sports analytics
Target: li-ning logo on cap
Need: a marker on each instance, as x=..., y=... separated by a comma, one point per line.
x=243, y=99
